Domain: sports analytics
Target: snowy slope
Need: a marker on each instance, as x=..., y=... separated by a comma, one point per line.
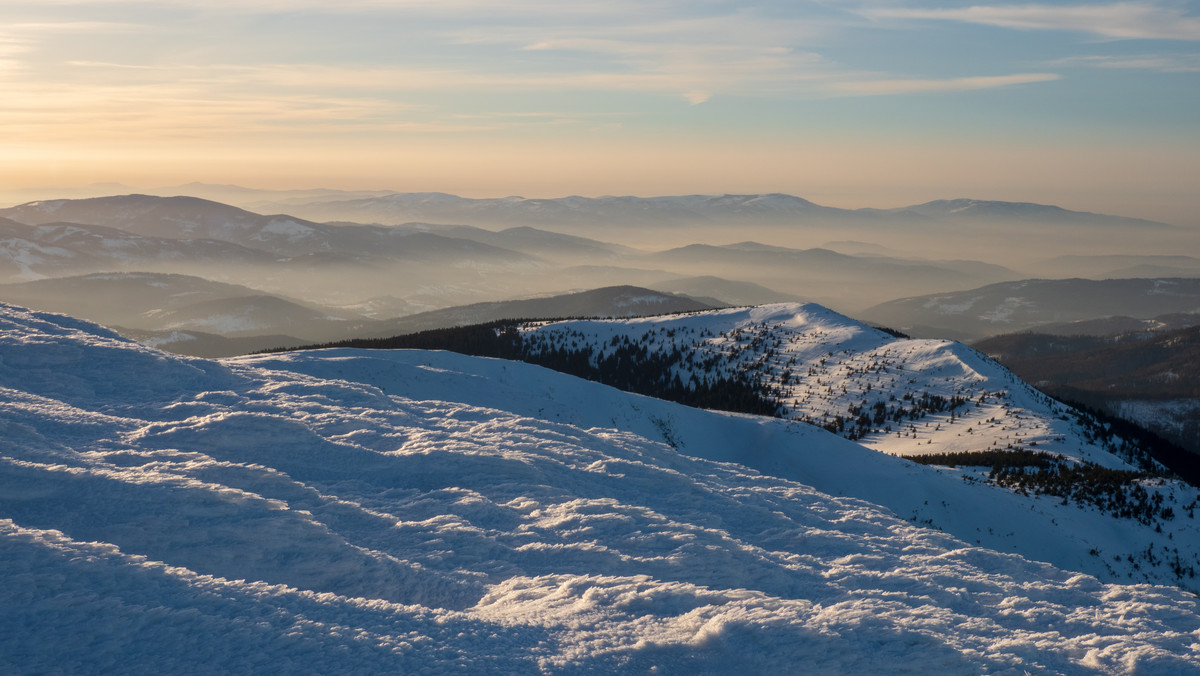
x=1040, y=528
x=391, y=512
x=822, y=365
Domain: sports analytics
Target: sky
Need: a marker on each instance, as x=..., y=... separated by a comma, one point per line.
x=850, y=103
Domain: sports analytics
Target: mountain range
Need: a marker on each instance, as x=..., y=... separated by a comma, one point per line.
x=195, y=316
x=677, y=210
x=1009, y=307
x=331, y=263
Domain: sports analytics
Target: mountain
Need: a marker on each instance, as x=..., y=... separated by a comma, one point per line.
x=993, y=212
x=1009, y=307
x=695, y=209
x=574, y=210
x=1117, y=325
x=129, y=299
x=194, y=343
x=997, y=232
x=198, y=317
x=1151, y=378
x=256, y=315
x=190, y=218
x=928, y=400
x=167, y=302
x=850, y=282
x=52, y=249
x=731, y=292
x=543, y=243
x=615, y=301
x=1119, y=266
x=177, y=217
x=247, y=198
x=346, y=511
x=325, y=263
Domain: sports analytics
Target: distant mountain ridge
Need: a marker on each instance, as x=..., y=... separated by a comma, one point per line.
x=56, y=248
x=680, y=209
x=990, y=210
x=295, y=256
x=1009, y=307
x=188, y=218
x=615, y=301
x=1149, y=377
x=173, y=303
x=195, y=316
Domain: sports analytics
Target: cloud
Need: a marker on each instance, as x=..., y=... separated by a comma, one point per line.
x=1124, y=20
x=1170, y=63
x=888, y=87
x=688, y=50
x=140, y=102
x=695, y=58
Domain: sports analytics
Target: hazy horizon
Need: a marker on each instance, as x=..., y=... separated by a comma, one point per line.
x=1088, y=106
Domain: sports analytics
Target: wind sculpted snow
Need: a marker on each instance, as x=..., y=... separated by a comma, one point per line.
x=344, y=511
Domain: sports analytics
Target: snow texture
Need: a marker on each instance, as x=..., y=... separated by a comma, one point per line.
x=346, y=512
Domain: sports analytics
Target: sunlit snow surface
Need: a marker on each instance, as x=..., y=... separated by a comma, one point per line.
x=835, y=363
x=340, y=512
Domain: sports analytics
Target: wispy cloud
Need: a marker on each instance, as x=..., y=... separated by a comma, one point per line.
x=124, y=101
x=697, y=58
x=961, y=84
x=1163, y=63
x=693, y=51
x=1125, y=20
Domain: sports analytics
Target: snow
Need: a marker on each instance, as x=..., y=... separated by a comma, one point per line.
x=244, y=320
x=951, y=308
x=836, y=365
x=1175, y=415
x=343, y=511
x=173, y=337
x=1005, y=310
x=1038, y=528
x=286, y=228
x=633, y=301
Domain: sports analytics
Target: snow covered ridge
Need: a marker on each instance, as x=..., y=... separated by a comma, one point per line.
x=344, y=510
x=901, y=396
x=933, y=401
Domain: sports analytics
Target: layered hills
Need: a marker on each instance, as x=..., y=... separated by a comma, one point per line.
x=1009, y=307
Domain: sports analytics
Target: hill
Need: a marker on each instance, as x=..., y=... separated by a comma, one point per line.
x=1152, y=378
x=613, y=301
x=169, y=303
x=421, y=511
x=190, y=218
x=931, y=401
x=1009, y=307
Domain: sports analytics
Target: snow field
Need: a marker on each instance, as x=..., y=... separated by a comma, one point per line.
x=427, y=512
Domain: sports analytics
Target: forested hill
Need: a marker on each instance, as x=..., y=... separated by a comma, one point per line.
x=629, y=365
x=1151, y=378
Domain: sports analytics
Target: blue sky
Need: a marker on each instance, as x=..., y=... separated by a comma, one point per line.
x=856, y=103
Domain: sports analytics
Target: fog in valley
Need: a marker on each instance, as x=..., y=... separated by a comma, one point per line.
x=323, y=265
